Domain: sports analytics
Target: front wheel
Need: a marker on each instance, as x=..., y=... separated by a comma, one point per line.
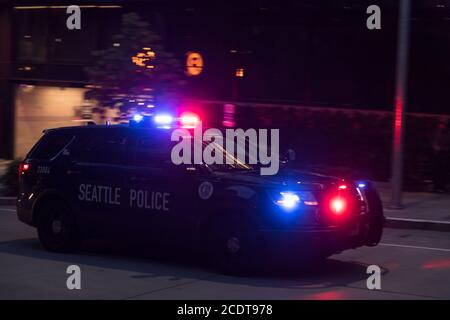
x=56, y=227
x=233, y=246
x=376, y=218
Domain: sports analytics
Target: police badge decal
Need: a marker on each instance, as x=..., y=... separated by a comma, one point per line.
x=205, y=190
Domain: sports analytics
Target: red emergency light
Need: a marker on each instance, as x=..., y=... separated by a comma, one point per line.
x=189, y=120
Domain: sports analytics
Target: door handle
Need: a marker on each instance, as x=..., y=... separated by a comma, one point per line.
x=73, y=172
x=138, y=179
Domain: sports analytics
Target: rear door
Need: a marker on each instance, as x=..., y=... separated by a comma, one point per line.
x=46, y=168
x=100, y=164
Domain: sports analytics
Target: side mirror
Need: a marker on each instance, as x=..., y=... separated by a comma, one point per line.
x=291, y=154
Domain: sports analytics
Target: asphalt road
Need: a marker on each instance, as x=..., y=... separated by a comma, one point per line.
x=415, y=265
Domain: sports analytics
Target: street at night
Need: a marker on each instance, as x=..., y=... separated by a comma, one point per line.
x=414, y=265
x=229, y=157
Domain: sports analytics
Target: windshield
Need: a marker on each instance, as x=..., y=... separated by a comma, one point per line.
x=246, y=159
x=230, y=162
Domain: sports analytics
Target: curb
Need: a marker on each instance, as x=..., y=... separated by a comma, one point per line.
x=400, y=223
x=8, y=201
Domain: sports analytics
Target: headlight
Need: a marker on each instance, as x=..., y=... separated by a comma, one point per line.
x=288, y=200
x=292, y=199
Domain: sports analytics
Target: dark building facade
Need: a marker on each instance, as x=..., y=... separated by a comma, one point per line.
x=315, y=53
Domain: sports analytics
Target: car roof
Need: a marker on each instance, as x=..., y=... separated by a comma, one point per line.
x=115, y=127
x=134, y=130
x=125, y=127
x=87, y=127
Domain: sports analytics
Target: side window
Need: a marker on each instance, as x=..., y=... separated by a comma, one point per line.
x=104, y=147
x=50, y=145
x=152, y=152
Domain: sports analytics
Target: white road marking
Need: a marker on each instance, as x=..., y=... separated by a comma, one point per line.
x=9, y=210
x=419, y=220
x=413, y=247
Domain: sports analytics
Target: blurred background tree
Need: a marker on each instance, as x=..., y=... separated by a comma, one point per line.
x=135, y=73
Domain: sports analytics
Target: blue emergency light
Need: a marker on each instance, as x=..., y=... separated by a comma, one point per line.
x=138, y=117
x=288, y=200
x=163, y=119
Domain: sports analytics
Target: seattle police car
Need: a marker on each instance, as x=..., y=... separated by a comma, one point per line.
x=83, y=182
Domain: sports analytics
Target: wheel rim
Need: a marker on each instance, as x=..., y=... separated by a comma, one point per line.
x=56, y=226
x=233, y=245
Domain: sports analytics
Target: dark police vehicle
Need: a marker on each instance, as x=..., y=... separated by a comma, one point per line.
x=98, y=180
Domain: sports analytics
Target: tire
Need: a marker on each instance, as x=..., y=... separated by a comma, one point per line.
x=56, y=227
x=376, y=224
x=376, y=218
x=233, y=246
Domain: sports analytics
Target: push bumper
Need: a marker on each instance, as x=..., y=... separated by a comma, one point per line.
x=315, y=239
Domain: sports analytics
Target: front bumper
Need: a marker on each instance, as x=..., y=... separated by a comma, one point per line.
x=313, y=239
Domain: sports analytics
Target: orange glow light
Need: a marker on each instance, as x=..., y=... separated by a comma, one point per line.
x=142, y=59
x=194, y=63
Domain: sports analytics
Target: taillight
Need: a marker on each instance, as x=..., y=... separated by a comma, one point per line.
x=339, y=202
x=23, y=167
x=338, y=205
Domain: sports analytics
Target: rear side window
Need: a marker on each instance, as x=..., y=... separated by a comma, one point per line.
x=50, y=145
x=153, y=151
x=104, y=147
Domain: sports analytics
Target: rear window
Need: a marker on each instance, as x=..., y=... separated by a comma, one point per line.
x=50, y=145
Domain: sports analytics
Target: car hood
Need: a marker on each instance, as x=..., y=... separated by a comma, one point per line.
x=294, y=179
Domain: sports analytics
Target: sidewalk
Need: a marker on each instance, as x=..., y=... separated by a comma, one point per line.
x=3, y=165
x=422, y=210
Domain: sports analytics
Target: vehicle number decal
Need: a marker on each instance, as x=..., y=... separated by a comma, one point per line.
x=43, y=169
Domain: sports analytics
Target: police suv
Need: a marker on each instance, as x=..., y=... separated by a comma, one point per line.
x=99, y=180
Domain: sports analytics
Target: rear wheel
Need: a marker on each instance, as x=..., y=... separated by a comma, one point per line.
x=56, y=227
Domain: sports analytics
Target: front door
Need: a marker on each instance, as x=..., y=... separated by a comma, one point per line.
x=161, y=193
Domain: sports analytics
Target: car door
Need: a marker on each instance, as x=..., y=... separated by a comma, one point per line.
x=100, y=163
x=161, y=193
